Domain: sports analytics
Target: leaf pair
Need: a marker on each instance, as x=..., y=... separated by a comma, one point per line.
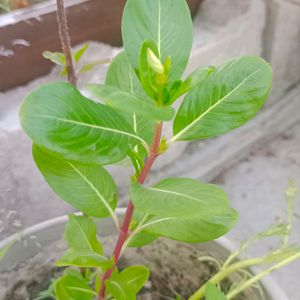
x=183, y=209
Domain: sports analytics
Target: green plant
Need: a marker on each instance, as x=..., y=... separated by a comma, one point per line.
x=75, y=137
x=282, y=255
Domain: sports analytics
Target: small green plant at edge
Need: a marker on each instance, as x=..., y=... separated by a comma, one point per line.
x=237, y=261
x=74, y=138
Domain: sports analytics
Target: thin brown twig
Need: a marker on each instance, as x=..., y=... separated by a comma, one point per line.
x=65, y=40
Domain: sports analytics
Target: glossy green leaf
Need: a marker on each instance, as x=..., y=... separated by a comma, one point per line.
x=81, y=233
x=225, y=100
x=183, y=209
x=59, y=118
x=84, y=248
x=135, y=277
x=196, y=78
x=119, y=290
x=89, y=188
x=213, y=292
x=127, y=102
x=125, y=285
x=83, y=258
x=166, y=22
x=121, y=75
x=141, y=239
x=71, y=287
x=192, y=230
x=180, y=197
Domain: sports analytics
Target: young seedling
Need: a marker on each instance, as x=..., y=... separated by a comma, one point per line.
x=74, y=138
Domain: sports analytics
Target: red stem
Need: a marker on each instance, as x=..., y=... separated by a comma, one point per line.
x=124, y=230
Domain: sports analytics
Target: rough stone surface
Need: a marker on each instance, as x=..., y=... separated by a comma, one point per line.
x=282, y=43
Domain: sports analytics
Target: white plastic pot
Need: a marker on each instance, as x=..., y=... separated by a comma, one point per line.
x=51, y=231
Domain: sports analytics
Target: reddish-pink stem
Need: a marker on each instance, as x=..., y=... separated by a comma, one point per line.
x=124, y=230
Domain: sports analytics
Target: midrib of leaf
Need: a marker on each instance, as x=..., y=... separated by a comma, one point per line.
x=159, y=29
x=119, y=287
x=102, y=198
x=136, y=278
x=175, y=193
x=82, y=290
x=155, y=222
x=131, y=91
x=84, y=235
x=94, y=126
x=175, y=137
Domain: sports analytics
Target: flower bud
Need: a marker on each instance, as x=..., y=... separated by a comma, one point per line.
x=154, y=62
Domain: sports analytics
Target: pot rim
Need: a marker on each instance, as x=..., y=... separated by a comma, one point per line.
x=269, y=284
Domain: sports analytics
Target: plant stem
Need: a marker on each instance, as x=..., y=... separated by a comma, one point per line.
x=225, y=273
x=259, y=276
x=124, y=230
x=65, y=40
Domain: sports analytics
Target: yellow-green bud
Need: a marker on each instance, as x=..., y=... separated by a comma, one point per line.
x=154, y=62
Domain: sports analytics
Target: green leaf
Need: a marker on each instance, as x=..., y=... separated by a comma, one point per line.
x=135, y=277
x=196, y=78
x=4, y=250
x=121, y=75
x=184, y=210
x=119, y=290
x=56, y=57
x=127, y=102
x=81, y=233
x=59, y=118
x=89, y=188
x=213, y=292
x=125, y=285
x=166, y=22
x=141, y=239
x=71, y=287
x=83, y=258
x=226, y=100
x=84, y=248
x=78, y=54
x=192, y=230
x=146, y=74
x=179, y=197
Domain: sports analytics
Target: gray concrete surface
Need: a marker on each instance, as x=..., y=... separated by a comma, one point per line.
x=256, y=188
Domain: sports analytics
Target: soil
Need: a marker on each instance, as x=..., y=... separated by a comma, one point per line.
x=175, y=269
